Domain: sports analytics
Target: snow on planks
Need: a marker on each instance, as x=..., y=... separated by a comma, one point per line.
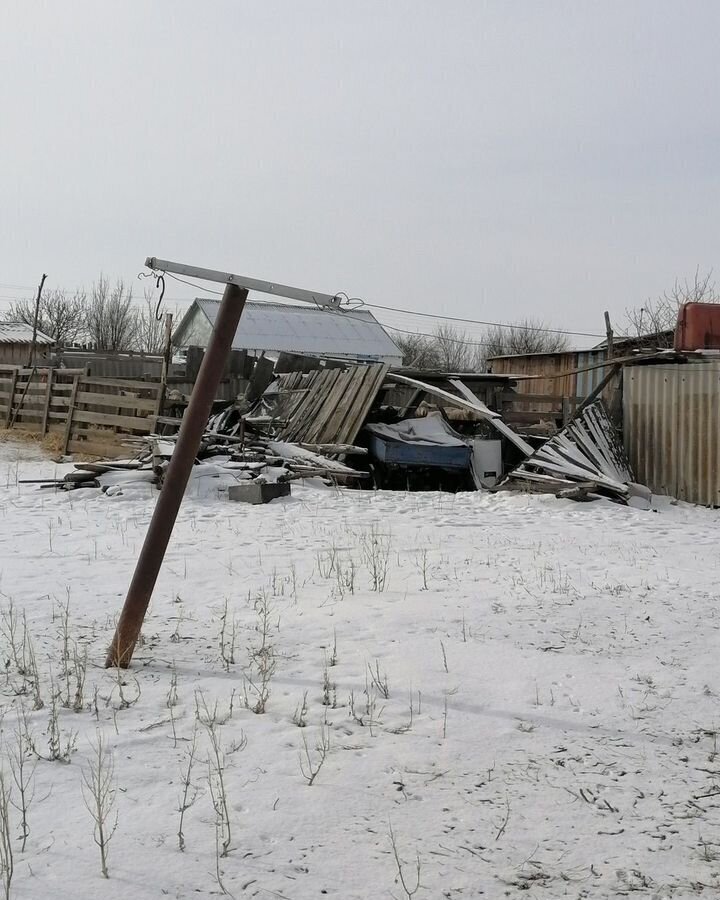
x=586, y=452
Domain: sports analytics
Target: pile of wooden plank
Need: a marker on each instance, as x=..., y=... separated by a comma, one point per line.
x=584, y=460
x=328, y=405
x=254, y=458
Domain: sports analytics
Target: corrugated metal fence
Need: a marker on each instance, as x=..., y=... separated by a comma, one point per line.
x=114, y=365
x=587, y=381
x=672, y=428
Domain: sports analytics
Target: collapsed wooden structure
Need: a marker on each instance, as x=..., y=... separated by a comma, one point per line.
x=337, y=421
x=585, y=459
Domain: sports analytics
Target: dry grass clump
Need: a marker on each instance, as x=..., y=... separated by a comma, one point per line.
x=51, y=442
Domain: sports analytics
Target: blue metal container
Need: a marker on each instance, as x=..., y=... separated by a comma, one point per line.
x=403, y=453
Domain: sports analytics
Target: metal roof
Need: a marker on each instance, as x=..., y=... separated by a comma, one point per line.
x=282, y=327
x=20, y=333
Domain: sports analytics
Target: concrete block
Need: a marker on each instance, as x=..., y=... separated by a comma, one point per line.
x=254, y=492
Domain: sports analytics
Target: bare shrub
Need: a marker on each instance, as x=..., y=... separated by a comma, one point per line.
x=311, y=764
x=98, y=786
x=379, y=681
x=329, y=695
x=61, y=743
x=190, y=792
x=301, y=710
x=22, y=767
x=375, y=551
x=408, y=890
x=262, y=655
x=227, y=637
x=7, y=865
x=218, y=793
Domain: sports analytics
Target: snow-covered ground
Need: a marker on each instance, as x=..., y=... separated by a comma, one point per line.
x=551, y=668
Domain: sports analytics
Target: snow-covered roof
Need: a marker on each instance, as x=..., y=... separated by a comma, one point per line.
x=20, y=333
x=281, y=327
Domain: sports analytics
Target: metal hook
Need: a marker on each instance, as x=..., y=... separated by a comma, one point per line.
x=160, y=280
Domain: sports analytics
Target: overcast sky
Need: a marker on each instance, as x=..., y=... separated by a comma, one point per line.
x=487, y=159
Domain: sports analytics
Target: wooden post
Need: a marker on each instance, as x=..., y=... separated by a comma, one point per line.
x=596, y=391
x=168, y=347
x=21, y=403
x=608, y=392
x=176, y=478
x=11, y=398
x=566, y=413
x=48, y=399
x=165, y=365
x=71, y=410
x=609, y=333
x=31, y=357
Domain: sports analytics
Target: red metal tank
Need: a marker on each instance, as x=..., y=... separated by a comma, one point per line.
x=698, y=327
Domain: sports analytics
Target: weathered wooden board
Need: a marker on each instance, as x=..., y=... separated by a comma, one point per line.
x=116, y=400
x=136, y=386
x=129, y=423
x=586, y=450
x=334, y=405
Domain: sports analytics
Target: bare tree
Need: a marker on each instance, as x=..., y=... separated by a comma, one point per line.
x=657, y=317
x=418, y=351
x=456, y=351
x=111, y=316
x=149, y=327
x=526, y=336
x=61, y=314
x=451, y=350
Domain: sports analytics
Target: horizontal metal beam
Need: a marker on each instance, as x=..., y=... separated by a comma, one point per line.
x=243, y=281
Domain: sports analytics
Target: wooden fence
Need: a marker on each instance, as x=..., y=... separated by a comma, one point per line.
x=93, y=415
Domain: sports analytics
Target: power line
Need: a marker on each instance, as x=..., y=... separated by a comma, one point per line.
x=393, y=309
x=136, y=298
x=350, y=316
x=425, y=334
x=198, y=287
x=518, y=327
x=409, y=312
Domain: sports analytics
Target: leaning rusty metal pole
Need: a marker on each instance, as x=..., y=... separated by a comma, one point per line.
x=176, y=478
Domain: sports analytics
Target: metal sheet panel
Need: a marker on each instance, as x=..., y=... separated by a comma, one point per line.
x=587, y=381
x=672, y=428
x=355, y=335
x=20, y=333
x=103, y=365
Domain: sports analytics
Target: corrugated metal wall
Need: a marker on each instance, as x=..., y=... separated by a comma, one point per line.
x=672, y=428
x=107, y=365
x=586, y=382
